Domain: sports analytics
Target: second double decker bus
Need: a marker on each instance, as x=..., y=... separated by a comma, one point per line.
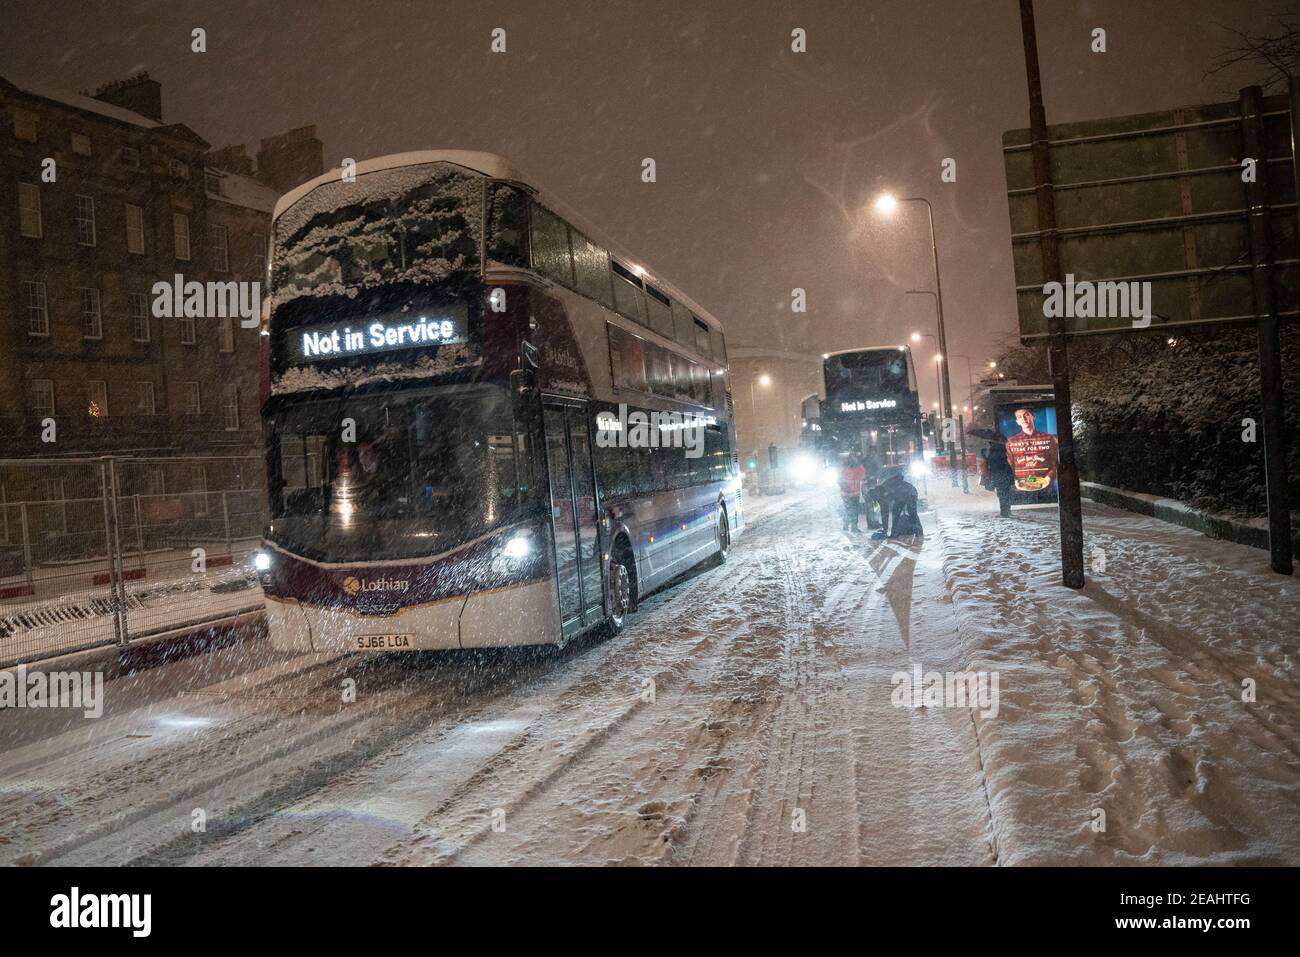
x=872, y=406
x=486, y=424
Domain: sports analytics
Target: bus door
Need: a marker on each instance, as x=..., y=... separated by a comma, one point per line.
x=574, y=516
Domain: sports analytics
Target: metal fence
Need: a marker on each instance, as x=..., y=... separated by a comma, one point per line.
x=109, y=550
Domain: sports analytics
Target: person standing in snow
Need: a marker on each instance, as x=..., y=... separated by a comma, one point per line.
x=852, y=475
x=998, y=476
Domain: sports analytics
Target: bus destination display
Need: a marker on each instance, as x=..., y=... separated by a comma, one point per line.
x=388, y=334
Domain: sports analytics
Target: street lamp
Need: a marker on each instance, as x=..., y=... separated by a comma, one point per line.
x=918, y=336
x=887, y=205
x=970, y=382
x=764, y=380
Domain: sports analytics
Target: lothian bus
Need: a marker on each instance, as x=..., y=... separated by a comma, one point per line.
x=486, y=423
x=872, y=407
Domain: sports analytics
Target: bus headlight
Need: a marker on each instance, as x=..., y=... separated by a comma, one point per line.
x=519, y=545
x=803, y=469
x=262, y=561
x=918, y=469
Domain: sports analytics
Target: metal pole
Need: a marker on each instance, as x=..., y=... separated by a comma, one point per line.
x=1070, y=505
x=961, y=431
x=1270, y=346
x=225, y=518
x=27, y=546
x=110, y=549
x=939, y=371
x=946, y=388
x=139, y=527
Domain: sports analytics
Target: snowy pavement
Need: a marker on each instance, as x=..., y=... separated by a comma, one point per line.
x=747, y=715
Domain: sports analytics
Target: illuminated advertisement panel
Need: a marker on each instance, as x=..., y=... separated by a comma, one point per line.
x=1029, y=429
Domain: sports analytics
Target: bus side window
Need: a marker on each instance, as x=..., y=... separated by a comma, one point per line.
x=628, y=297
x=551, y=246
x=508, y=226
x=719, y=345
x=591, y=269
x=702, y=344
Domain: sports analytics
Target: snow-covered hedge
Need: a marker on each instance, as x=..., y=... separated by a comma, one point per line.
x=1168, y=418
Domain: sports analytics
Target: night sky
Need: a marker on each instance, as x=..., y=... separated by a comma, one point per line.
x=766, y=158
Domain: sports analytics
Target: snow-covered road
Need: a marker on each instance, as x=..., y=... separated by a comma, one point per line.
x=747, y=715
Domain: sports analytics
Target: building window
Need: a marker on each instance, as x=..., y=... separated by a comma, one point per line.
x=43, y=397
x=86, y=220
x=191, y=404
x=227, y=334
x=25, y=125
x=38, y=315
x=97, y=406
x=230, y=408
x=212, y=183
x=181, y=230
x=218, y=241
x=130, y=157
x=92, y=321
x=29, y=210
x=258, y=259
x=179, y=170
x=144, y=403
x=81, y=144
x=139, y=306
x=187, y=330
x=135, y=229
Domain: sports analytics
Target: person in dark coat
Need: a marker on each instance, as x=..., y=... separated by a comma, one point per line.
x=998, y=476
x=897, y=498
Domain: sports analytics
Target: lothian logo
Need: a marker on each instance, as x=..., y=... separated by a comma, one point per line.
x=353, y=585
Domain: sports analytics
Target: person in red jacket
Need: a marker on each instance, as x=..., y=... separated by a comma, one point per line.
x=852, y=474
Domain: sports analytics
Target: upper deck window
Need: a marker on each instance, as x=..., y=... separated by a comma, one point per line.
x=416, y=224
x=508, y=225
x=881, y=372
x=551, y=255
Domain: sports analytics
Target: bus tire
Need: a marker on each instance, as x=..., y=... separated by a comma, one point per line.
x=622, y=588
x=723, y=532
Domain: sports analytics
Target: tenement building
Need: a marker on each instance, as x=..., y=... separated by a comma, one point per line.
x=104, y=200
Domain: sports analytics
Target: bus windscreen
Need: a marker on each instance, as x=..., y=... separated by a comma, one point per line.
x=405, y=476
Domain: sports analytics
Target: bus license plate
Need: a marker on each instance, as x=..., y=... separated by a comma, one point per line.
x=383, y=642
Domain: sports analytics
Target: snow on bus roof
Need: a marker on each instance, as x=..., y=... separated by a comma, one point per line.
x=494, y=166
x=843, y=352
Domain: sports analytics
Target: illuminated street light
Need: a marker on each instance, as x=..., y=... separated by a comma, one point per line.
x=886, y=204
x=916, y=337
x=764, y=380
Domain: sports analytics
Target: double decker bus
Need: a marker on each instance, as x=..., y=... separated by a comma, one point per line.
x=872, y=407
x=486, y=424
